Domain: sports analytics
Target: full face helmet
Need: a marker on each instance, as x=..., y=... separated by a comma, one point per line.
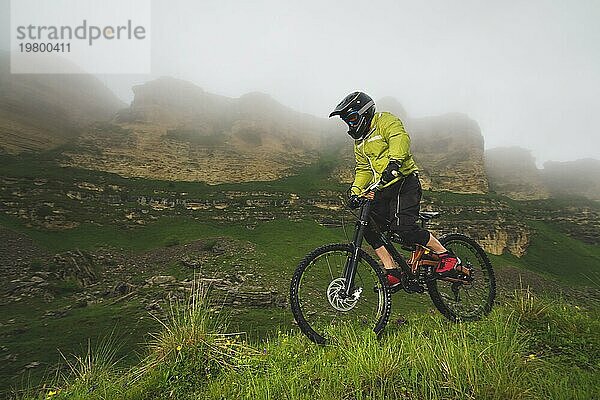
x=356, y=110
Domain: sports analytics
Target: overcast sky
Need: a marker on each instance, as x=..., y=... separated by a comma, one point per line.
x=527, y=71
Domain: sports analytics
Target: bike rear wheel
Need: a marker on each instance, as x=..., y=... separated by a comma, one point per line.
x=465, y=301
x=317, y=294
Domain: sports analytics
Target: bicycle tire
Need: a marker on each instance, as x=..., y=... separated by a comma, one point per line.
x=484, y=277
x=367, y=267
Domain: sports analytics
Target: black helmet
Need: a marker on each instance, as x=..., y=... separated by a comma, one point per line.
x=357, y=110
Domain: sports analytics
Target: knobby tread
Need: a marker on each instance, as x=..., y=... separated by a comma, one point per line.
x=294, y=301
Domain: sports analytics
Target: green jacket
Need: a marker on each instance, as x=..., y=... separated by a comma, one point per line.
x=387, y=141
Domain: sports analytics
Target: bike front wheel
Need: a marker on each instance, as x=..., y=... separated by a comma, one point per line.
x=465, y=301
x=318, y=300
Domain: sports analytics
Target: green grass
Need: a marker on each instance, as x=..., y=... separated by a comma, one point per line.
x=280, y=244
x=554, y=254
x=168, y=231
x=278, y=247
x=551, y=252
x=35, y=337
x=277, y=252
x=522, y=350
x=308, y=179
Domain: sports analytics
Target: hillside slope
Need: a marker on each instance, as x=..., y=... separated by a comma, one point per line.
x=41, y=112
x=529, y=348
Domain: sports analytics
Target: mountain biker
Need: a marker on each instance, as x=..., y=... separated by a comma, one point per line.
x=382, y=151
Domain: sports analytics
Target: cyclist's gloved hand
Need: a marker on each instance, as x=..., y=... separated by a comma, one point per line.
x=391, y=172
x=354, y=201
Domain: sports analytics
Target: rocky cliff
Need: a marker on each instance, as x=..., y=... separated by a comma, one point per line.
x=174, y=130
x=40, y=112
x=449, y=152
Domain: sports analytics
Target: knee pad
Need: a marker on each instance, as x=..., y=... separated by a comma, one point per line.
x=415, y=235
x=373, y=239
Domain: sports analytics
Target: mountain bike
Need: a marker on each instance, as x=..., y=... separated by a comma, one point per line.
x=340, y=284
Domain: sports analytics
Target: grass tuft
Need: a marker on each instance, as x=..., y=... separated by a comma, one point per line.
x=192, y=328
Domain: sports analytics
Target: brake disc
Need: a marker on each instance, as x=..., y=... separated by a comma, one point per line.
x=337, y=298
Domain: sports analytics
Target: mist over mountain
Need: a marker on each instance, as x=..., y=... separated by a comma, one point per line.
x=580, y=177
x=391, y=104
x=40, y=112
x=184, y=106
x=512, y=171
x=175, y=130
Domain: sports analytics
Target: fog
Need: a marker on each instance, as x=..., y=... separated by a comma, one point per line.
x=527, y=71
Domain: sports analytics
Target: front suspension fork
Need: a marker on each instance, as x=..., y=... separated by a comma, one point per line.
x=352, y=262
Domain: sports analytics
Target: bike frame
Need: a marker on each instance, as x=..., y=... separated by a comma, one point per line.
x=352, y=262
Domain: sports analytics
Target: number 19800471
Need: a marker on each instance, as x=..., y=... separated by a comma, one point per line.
x=45, y=47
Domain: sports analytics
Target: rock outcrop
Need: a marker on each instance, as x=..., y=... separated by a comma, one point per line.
x=76, y=265
x=449, y=152
x=502, y=238
x=174, y=130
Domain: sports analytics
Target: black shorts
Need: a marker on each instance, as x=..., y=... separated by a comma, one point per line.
x=397, y=208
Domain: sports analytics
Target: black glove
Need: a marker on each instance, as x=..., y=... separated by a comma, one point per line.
x=391, y=172
x=354, y=201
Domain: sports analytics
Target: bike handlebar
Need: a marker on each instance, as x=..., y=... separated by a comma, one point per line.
x=379, y=185
x=374, y=187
